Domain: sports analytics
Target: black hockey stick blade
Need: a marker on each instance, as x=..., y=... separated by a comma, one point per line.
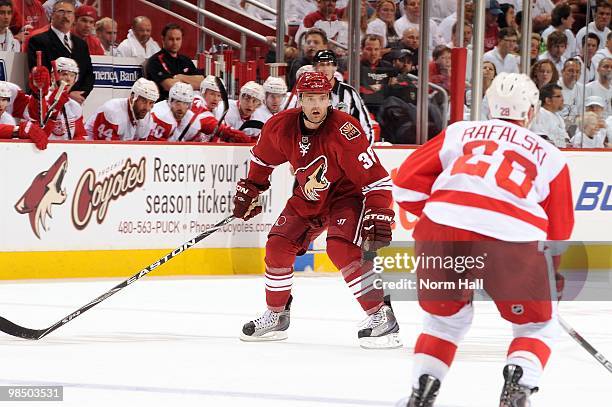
x=252, y=124
x=586, y=345
x=225, y=99
x=13, y=329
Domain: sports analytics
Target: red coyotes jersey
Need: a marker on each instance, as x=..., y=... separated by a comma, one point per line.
x=491, y=177
x=114, y=121
x=334, y=162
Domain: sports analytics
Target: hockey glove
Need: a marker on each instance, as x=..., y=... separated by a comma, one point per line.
x=61, y=101
x=40, y=79
x=230, y=135
x=246, y=203
x=376, y=228
x=31, y=130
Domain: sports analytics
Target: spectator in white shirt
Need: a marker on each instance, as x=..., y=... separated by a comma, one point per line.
x=556, y=44
x=502, y=55
x=444, y=28
x=594, y=135
x=602, y=86
x=106, y=30
x=544, y=72
x=383, y=24
x=586, y=58
x=548, y=123
x=599, y=26
x=571, y=90
x=411, y=19
x=139, y=42
x=562, y=21
x=7, y=41
x=605, y=52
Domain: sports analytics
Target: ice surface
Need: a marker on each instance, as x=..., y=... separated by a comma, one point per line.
x=174, y=342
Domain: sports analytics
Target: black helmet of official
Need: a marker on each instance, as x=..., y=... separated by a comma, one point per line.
x=325, y=55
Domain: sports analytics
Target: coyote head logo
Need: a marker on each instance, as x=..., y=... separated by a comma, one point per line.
x=311, y=178
x=45, y=190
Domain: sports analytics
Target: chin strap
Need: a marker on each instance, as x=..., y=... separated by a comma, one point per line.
x=329, y=109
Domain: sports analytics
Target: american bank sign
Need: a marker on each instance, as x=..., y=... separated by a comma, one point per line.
x=116, y=76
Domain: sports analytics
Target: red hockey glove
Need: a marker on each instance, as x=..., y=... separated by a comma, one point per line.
x=31, y=130
x=376, y=228
x=40, y=79
x=62, y=99
x=246, y=204
x=230, y=135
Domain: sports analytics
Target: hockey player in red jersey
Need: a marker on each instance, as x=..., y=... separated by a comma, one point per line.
x=493, y=184
x=340, y=186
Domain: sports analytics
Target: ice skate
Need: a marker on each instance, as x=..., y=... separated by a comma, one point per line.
x=271, y=326
x=514, y=394
x=425, y=395
x=380, y=330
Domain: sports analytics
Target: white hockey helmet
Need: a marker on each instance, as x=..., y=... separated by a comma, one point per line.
x=146, y=89
x=5, y=90
x=209, y=83
x=302, y=70
x=253, y=89
x=511, y=96
x=274, y=84
x=66, y=64
x=181, y=91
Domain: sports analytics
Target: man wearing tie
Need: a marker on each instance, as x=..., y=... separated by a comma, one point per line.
x=59, y=42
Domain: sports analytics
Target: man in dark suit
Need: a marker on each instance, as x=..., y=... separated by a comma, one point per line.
x=59, y=42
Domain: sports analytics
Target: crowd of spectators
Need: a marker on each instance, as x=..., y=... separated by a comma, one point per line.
x=571, y=58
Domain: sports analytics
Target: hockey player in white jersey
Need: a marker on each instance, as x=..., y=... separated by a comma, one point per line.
x=240, y=111
x=498, y=184
x=125, y=118
x=68, y=113
x=5, y=100
x=209, y=97
x=173, y=119
x=344, y=96
x=275, y=90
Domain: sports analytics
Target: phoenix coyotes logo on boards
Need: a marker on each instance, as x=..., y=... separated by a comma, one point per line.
x=311, y=178
x=91, y=195
x=45, y=191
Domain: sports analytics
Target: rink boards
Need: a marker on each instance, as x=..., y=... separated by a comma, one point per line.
x=109, y=209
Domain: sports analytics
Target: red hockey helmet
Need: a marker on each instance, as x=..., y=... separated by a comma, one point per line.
x=313, y=82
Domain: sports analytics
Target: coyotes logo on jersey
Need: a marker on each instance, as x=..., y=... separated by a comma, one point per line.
x=311, y=178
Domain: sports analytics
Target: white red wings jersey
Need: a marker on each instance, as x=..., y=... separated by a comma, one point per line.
x=114, y=120
x=262, y=113
x=69, y=124
x=490, y=177
x=199, y=104
x=234, y=119
x=18, y=102
x=166, y=128
x=336, y=161
x=6, y=118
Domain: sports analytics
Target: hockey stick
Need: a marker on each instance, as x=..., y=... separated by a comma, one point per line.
x=41, y=96
x=587, y=346
x=13, y=329
x=571, y=331
x=225, y=98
